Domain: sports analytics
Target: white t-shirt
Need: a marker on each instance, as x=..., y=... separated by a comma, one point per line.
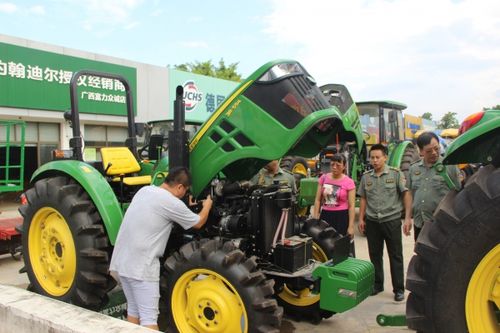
x=145, y=230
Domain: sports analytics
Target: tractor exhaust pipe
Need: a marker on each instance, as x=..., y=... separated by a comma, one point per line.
x=178, y=153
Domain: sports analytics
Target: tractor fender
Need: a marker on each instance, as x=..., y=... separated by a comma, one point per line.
x=397, y=153
x=485, y=134
x=94, y=184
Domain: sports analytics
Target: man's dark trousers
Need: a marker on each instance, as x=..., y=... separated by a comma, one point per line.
x=390, y=232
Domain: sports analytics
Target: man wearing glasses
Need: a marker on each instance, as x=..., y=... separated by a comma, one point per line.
x=142, y=239
x=429, y=180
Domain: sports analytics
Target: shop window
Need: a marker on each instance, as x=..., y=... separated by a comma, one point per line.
x=94, y=134
x=97, y=136
x=32, y=132
x=48, y=132
x=116, y=134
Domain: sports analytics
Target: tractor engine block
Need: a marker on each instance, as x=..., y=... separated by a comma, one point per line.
x=261, y=216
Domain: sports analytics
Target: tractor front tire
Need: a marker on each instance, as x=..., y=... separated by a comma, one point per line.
x=453, y=277
x=65, y=247
x=213, y=287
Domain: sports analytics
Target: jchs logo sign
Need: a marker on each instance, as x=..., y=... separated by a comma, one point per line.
x=191, y=96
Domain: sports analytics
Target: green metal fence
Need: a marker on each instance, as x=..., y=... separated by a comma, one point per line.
x=12, y=133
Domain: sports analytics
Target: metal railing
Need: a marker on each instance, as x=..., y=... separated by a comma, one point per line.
x=12, y=155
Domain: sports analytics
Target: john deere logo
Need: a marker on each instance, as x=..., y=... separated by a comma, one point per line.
x=191, y=95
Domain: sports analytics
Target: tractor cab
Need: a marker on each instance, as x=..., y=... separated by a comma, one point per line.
x=382, y=121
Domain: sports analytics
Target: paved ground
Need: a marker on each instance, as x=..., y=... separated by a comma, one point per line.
x=358, y=320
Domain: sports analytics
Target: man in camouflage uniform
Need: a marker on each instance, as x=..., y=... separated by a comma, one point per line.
x=429, y=180
x=272, y=173
x=383, y=192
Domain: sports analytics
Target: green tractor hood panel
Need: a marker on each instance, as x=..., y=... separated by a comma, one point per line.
x=351, y=131
x=277, y=111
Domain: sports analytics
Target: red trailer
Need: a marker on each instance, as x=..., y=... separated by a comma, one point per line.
x=10, y=238
x=11, y=180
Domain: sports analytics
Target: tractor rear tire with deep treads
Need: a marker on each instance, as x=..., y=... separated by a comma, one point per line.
x=304, y=304
x=453, y=277
x=296, y=165
x=410, y=156
x=65, y=247
x=213, y=287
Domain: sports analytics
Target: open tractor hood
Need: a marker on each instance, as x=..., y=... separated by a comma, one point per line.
x=277, y=111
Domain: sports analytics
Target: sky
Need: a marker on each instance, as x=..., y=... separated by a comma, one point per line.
x=435, y=56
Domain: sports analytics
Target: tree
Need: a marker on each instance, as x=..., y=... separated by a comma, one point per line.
x=449, y=120
x=207, y=68
x=427, y=115
x=497, y=107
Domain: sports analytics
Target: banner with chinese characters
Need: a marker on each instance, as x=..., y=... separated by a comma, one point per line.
x=202, y=94
x=35, y=79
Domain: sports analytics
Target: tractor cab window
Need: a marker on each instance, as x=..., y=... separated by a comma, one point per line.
x=155, y=140
x=288, y=93
x=401, y=125
x=369, y=117
x=393, y=124
x=161, y=128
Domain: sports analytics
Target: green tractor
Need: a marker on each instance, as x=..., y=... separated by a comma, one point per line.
x=364, y=124
x=382, y=122
x=454, y=277
x=254, y=251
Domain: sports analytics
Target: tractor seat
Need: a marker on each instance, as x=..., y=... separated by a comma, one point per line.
x=119, y=161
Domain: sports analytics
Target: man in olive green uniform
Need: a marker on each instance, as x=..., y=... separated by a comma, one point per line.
x=383, y=192
x=272, y=173
x=429, y=180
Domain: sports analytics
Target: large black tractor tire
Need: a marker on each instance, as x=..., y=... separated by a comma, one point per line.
x=304, y=304
x=296, y=165
x=453, y=277
x=65, y=247
x=212, y=287
x=410, y=156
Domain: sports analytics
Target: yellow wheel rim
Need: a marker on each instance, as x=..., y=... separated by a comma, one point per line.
x=204, y=301
x=52, y=251
x=303, y=297
x=483, y=294
x=300, y=169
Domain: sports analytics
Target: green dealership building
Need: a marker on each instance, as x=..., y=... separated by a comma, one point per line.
x=34, y=87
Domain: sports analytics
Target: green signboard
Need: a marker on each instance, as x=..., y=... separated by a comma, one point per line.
x=202, y=94
x=35, y=79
